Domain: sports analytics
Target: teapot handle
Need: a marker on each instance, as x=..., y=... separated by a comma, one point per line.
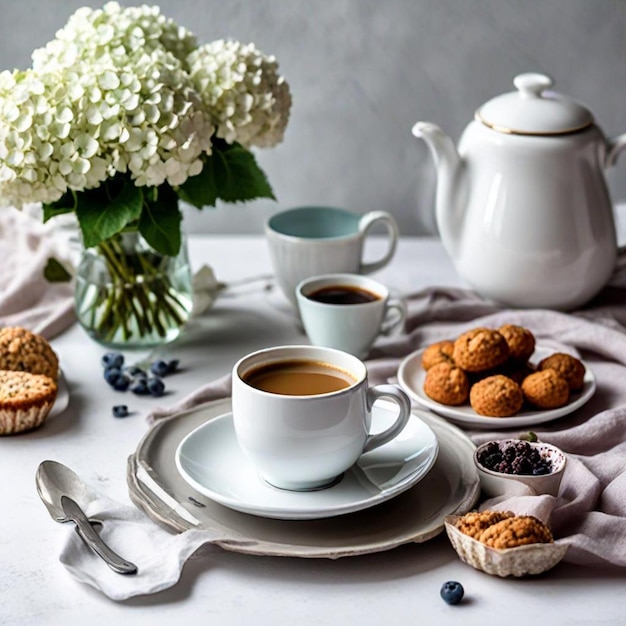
x=614, y=147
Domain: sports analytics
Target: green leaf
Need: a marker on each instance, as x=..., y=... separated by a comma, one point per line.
x=160, y=219
x=65, y=204
x=199, y=190
x=107, y=210
x=230, y=173
x=55, y=272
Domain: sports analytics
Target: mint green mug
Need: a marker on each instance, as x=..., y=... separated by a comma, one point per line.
x=309, y=241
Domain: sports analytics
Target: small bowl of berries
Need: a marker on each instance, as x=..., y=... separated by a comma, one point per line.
x=516, y=467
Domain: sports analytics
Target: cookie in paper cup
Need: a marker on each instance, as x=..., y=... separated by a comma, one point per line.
x=523, y=560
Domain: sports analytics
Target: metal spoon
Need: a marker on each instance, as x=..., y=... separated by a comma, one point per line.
x=63, y=493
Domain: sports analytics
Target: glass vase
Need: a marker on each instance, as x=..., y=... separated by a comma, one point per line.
x=130, y=296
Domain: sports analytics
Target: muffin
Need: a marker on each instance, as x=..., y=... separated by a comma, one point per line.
x=568, y=367
x=480, y=349
x=447, y=384
x=496, y=396
x=24, y=351
x=25, y=400
x=520, y=340
x=545, y=390
x=436, y=353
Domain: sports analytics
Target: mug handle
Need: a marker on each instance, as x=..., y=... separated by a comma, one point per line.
x=365, y=224
x=390, y=392
x=394, y=316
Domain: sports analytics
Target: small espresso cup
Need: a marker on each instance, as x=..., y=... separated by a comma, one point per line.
x=347, y=311
x=302, y=414
x=309, y=241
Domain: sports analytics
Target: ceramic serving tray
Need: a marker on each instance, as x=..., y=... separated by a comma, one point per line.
x=451, y=487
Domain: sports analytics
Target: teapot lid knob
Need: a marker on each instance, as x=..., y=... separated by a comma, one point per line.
x=531, y=84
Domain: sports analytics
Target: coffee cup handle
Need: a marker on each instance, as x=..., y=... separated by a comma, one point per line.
x=395, y=315
x=389, y=392
x=365, y=224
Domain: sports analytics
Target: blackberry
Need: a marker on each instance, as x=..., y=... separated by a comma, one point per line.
x=518, y=458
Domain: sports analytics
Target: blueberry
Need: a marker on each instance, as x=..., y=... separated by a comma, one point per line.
x=111, y=375
x=113, y=359
x=121, y=383
x=155, y=386
x=120, y=410
x=452, y=592
x=139, y=386
x=134, y=371
x=172, y=366
x=160, y=368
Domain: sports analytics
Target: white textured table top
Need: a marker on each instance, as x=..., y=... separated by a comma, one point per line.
x=400, y=586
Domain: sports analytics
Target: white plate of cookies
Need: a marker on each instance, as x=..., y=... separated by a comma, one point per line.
x=496, y=378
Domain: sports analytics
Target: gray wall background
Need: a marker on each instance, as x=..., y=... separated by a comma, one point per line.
x=363, y=71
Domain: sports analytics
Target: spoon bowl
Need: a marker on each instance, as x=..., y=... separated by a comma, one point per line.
x=53, y=480
x=65, y=496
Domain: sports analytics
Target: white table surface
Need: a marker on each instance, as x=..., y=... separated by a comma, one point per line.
x=400, y=586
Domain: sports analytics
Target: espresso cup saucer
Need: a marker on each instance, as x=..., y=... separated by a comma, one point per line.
x=211, y=461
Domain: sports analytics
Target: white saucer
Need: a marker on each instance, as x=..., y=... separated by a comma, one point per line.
x=211, y=461
x=411, y=377
x=62, y=399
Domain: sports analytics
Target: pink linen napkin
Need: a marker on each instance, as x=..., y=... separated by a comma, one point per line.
x=26, y=298
x=590, y=511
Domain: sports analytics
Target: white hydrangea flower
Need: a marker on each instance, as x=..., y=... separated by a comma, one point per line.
x=112, y=94
x=249, y=101
x=116, y=32
x=32, y=128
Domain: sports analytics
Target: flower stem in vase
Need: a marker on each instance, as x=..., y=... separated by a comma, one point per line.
x=129, y=295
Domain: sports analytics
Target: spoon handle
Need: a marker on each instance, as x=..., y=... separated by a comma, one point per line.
x=93, y=540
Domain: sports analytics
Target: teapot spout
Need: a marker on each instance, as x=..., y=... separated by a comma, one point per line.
x=449, y=207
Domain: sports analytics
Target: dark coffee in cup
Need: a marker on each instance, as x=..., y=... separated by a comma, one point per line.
x=298, y=378
x=342, y=294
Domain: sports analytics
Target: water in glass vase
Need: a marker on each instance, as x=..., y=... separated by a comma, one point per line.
x=130, y=296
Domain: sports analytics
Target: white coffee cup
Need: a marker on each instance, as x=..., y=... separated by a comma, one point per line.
x=306, y=441
x=309, y=241
x=347, y=311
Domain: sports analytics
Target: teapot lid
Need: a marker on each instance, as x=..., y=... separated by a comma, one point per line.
x=534, y=110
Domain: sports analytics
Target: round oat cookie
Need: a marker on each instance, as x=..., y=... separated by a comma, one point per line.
x=496, y=396
x=480, y=349
x=546, y=390
x=436, y=353
x=475, y=523
x=517, y=371
x=447, y=384
x=24, y=351
x=520, y=340
x=568, y=367
x=516, y=531
x=25, y=400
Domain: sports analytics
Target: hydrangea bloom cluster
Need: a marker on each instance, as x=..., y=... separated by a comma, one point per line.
x=249, y=100
x=127, y=91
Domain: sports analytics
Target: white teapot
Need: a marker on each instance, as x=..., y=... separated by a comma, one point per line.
x=522, y=207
